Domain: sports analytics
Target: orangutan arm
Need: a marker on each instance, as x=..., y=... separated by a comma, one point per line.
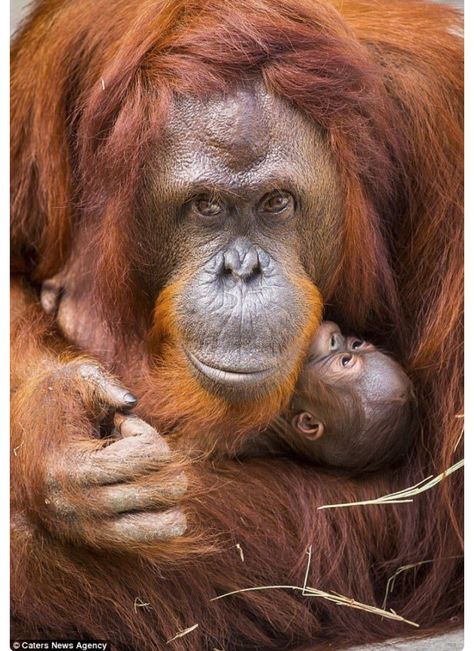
x=250, y=524
x=65, y=477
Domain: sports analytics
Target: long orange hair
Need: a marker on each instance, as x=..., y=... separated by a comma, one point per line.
x=91, y=84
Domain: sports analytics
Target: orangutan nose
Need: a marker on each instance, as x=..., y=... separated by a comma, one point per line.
x=242, y=261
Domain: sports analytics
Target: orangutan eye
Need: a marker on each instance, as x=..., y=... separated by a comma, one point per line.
x=357, y=343
x=276, y=202
x=207, y=206
x=346, y=359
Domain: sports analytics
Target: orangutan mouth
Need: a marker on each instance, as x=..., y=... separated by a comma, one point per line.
x=229, y=376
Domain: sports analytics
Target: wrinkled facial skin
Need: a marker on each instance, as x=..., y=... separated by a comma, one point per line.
x=349, y=362
x=244, y=193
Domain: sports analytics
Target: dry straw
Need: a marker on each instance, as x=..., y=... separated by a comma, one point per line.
x=405, y=568
x=183, y=633
x=400, y=497
x=336, y=598
x=405, y=495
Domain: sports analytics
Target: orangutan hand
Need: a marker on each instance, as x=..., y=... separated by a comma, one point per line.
x=105, y=492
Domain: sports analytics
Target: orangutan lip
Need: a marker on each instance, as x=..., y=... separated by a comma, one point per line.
x=225, y=375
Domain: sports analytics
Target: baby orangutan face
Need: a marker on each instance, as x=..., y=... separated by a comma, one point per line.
x=353, y=406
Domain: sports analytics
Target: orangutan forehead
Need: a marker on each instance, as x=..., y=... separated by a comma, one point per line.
x=243, y=134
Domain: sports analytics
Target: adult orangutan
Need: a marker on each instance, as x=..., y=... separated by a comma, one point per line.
x=192, y=177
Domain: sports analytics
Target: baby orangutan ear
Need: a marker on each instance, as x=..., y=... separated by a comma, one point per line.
x=307, y=424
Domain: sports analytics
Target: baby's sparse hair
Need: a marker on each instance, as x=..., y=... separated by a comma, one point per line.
x=360, y=435
x=357, y=436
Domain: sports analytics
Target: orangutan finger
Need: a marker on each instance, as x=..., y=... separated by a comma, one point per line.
x=147, y=444
x=106, y=389
x=120, y=498
x=144, y=527
x=132, y=425
x=50, y=296
x=122, y=460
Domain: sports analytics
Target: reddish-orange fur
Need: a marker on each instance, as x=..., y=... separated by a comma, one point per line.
x=91, y=84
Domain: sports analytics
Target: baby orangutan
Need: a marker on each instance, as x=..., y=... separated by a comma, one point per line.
x=353, y=407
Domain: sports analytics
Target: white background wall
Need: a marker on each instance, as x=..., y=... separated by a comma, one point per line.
x=18, y=8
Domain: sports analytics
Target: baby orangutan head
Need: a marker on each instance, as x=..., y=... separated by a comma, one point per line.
x=353, y=406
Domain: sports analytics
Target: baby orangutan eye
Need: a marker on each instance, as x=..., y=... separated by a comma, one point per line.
x=346, y=360
x=357, y=343
x=207, y=206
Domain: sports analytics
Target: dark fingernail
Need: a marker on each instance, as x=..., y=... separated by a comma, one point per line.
x=130, y=400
